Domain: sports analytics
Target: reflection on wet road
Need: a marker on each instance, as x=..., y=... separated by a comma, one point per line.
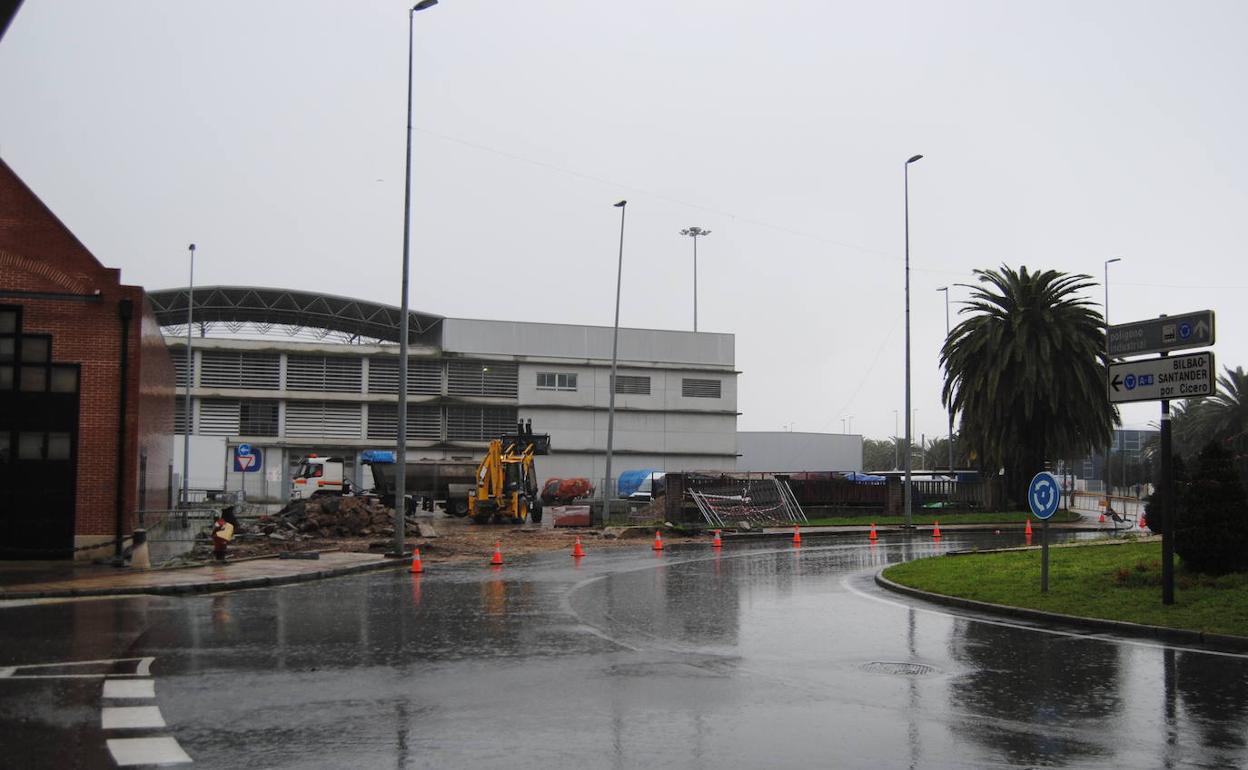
x=757, y=656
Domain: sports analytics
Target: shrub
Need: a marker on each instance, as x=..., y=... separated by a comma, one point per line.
x=1211, y=534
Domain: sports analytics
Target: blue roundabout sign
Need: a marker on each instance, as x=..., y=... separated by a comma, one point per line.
x=1044, y=495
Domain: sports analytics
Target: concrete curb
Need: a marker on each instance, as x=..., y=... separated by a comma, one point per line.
x=205, y=587
x=1222, y=642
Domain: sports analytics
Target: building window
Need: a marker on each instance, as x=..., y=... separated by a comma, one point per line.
x=257, y=418
x=632, y=385
x=230, y=369
x=496, y=379
x=691, y=388
x=556, y=381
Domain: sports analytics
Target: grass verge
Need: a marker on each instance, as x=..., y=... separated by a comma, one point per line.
x=1112, y=581
x=928, y=518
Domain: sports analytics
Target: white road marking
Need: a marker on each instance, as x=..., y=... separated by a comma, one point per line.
x=147, y=751
x=143, y=667
x=129, y=688
x=1093, y=636
x=130, y=717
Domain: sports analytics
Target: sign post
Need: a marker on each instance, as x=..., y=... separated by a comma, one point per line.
x=1161, y=379
x=1044, y=494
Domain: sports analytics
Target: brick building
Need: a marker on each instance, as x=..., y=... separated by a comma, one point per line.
x=85, y=379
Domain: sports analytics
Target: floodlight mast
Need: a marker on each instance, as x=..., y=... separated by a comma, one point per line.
x=695, y=233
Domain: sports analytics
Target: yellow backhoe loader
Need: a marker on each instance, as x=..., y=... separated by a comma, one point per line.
x=507, y=488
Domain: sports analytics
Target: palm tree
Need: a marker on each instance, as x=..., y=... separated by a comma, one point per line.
x=1026, y=373
x=1225, y=414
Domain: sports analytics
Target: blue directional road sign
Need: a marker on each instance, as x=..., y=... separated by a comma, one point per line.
x=247, y=459
x=1044, y=495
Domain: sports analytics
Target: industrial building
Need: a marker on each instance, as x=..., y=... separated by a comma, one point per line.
x=292, y=373
x=86, y=392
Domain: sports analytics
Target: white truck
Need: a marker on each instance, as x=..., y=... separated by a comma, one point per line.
x=448, y=482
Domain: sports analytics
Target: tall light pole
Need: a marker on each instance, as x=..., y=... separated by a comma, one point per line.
x=615, y=347
x=186, y=401
x=945, y=289
x=1109, y=477
x=695, y=233
x=896, y=442
x=400, y=471
x=908, y=489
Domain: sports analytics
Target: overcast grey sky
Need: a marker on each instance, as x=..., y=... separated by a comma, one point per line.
x=1056, y=135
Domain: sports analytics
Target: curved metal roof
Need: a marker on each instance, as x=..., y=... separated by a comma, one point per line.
x=237, y=305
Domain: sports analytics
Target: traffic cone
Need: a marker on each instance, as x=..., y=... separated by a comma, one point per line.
x=416, y=567
x=873, y=537
x=658, y=541
x=936, y=531
x=577, y=550
x=497, y=558
x=1027, y=531
x=797, y=536
x=1101, y=520
x=717, y=543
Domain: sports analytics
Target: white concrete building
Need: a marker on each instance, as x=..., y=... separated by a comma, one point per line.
x=762, y=451
x=260, y=381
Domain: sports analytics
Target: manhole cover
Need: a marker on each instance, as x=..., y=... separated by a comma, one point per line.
x=898, y=669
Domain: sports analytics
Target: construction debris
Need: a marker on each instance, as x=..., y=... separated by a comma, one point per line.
x=330, y=517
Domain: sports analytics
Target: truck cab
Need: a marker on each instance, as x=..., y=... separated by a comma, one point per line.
x=318, y=476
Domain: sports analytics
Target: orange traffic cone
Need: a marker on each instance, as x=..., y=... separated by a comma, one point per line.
x=497, y=558
x=936, y=531
x=658, y=541
x=797, y=536
x=873, y=537
x=717, y=543
x=577, y=550
x=416, y=567
x=1027, y=530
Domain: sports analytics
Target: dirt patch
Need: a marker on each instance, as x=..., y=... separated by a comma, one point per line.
x=454, y=539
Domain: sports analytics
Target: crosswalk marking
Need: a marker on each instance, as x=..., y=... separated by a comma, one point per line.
x=146, y=751
x=129, y=688
x=131, y=717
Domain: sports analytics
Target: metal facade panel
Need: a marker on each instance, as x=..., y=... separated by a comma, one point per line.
x=586, y=342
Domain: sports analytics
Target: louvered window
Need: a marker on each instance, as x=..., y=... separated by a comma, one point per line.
x=232, y=369
x=323, y=419
x=179, y=415
x=482, y=378
x=424, y=423
x=218, y=417
x=691, y=388
x=178, y=356
x=634, y=385
x=331, y=374
x=257, y=418
x=424, y=376
x=466, y=423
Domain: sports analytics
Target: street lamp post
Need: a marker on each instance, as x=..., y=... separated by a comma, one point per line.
x=188, y=421
x=400, y=471
x=615, y=346
x=1109, y=477
x=909, y=487
x=945, y=289
x=896, y=442
x=695, y=233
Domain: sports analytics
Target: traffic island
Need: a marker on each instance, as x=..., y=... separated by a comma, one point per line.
x=1111, y=587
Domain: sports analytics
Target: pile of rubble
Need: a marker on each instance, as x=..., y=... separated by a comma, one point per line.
x=323, y=517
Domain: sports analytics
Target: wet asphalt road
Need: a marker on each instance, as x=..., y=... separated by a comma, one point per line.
x=759, y=656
